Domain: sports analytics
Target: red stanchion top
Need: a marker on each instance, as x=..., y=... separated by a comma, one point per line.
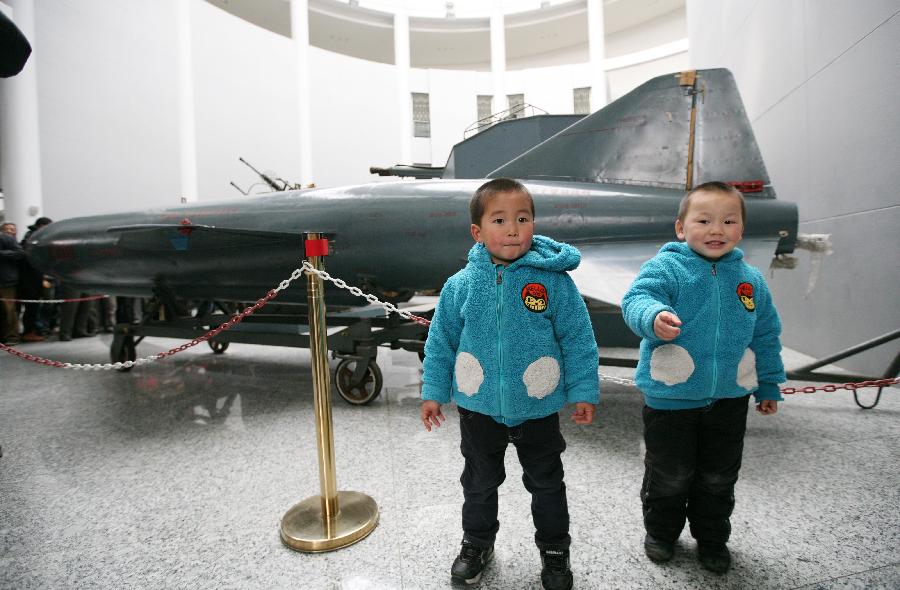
x=316, y=247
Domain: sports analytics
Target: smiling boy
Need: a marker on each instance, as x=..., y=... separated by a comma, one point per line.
x=710, y=338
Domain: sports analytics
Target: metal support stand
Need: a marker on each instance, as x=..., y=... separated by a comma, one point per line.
x=333, y=519
x=806, y=372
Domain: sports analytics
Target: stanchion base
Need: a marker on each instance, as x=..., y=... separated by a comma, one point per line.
x=303, y=529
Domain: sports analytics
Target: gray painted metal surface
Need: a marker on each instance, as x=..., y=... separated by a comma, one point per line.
x=478, y=155
x=643, y=139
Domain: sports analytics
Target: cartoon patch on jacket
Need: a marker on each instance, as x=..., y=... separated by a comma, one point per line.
x=745, y=292
x=534, y=296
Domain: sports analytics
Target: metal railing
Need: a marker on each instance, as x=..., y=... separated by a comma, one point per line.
x=519, y=111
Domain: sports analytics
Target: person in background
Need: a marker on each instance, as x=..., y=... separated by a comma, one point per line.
x=32, y=285
x=11, y=256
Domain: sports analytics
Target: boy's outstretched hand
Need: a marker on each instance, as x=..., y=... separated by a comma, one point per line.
x=431, y=414
x=665, y=325
x=584, y=413
x=767, y=406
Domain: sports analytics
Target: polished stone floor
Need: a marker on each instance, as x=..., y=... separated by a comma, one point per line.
x=177, y=475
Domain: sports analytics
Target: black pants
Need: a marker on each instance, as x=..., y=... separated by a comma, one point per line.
x=692, y=463
x=539, y=445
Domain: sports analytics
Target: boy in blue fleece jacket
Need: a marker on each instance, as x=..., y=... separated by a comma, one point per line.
x=710, y=338
x=511, y=342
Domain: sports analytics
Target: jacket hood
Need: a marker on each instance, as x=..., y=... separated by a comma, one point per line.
x=683, y=249
x=545, y=254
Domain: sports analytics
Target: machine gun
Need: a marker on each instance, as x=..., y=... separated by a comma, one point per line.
x=285, y=185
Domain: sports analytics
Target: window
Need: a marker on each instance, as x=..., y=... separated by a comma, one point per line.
x=516, y=104
x=582, y=98
x=421, y=115
x=484, y=106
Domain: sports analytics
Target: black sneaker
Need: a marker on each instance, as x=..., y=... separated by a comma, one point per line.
x=555, y=573
x=657, y=550
x=714, y=556
x=469, y=565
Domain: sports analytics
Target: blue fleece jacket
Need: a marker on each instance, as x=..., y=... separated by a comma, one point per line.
x=512, y=342
x=729, y=342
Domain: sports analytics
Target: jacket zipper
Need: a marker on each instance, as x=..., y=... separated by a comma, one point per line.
x=718, y=325
x=500, y=333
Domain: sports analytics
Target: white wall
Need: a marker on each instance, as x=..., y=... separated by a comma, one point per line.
x=658, y=31
x=108, y=105
x=574, y=54
x=621, y=81
x=820, y=84
x=245, y=97
x=355, y=117
x=549, y=88
x=454, y=106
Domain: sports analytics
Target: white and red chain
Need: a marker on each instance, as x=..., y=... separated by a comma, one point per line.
x=235, y=319
x=73, y=300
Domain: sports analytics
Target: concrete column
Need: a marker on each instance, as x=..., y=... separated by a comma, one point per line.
x=300, y=34
x=498, y=57
x=20, y=146
x=597, y=52
x=187, y=125
x=401, y=61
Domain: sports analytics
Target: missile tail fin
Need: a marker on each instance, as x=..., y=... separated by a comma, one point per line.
x=674, y=131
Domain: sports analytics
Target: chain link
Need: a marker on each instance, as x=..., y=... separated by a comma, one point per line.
x=73, y=300
x=847, y=386
x=370, y=298
x=617, y=380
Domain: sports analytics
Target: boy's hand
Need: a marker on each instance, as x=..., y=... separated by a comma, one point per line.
x=767, y=406
x=431, y=414
x=665, y=326
x=584, y=413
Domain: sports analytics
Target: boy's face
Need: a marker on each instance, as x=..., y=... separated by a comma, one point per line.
x=712, y=225
x=506, y=227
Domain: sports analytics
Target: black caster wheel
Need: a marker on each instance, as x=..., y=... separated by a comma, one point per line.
x=217, y=346
x=363, y=392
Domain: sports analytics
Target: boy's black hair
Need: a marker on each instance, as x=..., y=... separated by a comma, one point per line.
x=714, y=186
x=491, y=188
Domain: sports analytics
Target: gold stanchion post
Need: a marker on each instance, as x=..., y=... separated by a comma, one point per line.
x=332, y=520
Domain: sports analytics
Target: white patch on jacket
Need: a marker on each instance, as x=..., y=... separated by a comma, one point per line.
x=746, y=371
x=671, y=364
x=469, y=374
x=541, y=377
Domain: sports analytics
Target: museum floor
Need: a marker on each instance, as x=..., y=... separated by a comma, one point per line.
x=177, y=475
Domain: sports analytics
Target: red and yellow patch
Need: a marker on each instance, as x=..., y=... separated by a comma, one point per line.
x=745, y=292
x=534, y=296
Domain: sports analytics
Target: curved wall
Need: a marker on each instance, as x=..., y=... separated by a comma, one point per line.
x=109, y=104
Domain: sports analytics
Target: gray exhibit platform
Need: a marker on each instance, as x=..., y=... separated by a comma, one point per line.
x=177, y=475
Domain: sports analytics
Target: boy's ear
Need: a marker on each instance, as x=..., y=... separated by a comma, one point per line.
x=476, y=232
x=679, y=229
